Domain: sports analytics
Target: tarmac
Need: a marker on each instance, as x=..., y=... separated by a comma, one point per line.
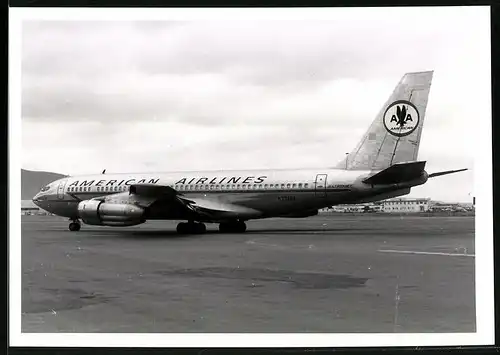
x=329, y=273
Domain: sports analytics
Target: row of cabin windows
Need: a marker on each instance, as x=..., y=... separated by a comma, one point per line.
x=240, y=187
x=97, y=188
x=193, y=187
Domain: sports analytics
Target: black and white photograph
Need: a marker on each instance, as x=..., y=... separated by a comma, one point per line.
x=293, y=177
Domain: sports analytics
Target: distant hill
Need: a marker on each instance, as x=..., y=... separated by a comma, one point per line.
x=33, y=181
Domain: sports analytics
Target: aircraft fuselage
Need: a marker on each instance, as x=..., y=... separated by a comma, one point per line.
x=259, y=193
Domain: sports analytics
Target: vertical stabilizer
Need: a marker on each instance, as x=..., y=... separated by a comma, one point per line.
x=394, y=135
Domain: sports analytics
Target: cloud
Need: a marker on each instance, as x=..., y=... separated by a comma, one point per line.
x=184, y=95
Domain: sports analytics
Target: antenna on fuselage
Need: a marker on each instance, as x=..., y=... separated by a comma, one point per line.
x=103, y=171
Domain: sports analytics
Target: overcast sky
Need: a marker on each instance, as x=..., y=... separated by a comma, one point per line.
x=221, y=94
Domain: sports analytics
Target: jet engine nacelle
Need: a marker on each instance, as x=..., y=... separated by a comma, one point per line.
x=99, y=213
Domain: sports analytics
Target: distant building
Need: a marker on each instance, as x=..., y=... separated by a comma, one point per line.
x=405, y=205
x=28, y=208
x=402, y=205
x=451, y=207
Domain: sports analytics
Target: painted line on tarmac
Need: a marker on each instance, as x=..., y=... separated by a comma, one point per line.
x=288, y=246
x=423, y=252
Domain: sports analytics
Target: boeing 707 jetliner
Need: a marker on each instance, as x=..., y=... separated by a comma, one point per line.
x=383, y=165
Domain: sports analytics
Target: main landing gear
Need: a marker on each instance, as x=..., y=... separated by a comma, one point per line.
x=191, y=228
x=199, y=228
x=74, y=226
x=233, y=227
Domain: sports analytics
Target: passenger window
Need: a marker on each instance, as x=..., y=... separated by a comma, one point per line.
x=265, y=186
x=282, y=186
x=305, y=185
x=238, y=186
x=300, y=185
x=294, y=186
x=288, y=186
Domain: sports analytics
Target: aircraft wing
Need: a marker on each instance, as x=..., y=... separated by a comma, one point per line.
x=207, y=208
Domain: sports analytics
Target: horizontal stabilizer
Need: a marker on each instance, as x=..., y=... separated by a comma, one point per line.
x=446, y=172
x=397, y=173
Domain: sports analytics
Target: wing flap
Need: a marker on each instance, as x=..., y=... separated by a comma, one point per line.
x=211, y=206
x=147, y=194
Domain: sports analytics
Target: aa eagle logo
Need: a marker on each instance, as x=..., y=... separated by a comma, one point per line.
x=401, y=118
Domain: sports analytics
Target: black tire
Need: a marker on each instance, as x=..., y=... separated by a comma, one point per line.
x=200, y=228
x=233, y=227
x=182, y=228
x=224, y=228
x=74, y=227
x=242, y=227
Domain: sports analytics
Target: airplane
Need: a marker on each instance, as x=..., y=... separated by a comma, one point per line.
x=383, y=165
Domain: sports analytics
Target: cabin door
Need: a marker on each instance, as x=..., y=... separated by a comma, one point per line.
x=60, y=189
x=320, y=185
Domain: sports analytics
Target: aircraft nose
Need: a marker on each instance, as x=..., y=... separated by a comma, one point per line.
x=35, y=200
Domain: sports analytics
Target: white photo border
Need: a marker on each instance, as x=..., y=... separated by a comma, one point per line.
x=485, y=330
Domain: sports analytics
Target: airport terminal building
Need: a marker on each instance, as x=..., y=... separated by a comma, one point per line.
x=406, y=205
x=403, y=205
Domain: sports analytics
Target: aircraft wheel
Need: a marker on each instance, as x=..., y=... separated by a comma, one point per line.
x=74, y=227
x=182, y=228
x=241, y=227
x=233, y=227
x=224, y=228
x=200, y=228
x=191, y=228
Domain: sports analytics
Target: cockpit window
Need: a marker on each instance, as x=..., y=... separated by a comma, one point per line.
x=45, y=188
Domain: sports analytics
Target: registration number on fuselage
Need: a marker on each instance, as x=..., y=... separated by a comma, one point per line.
x=286, y=198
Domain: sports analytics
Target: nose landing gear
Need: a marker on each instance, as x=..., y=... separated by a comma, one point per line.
x=74, y=226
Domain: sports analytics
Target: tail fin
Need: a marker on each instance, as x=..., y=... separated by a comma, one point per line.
x=394, y=135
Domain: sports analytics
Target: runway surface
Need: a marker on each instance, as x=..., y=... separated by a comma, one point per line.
x=329, y=273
